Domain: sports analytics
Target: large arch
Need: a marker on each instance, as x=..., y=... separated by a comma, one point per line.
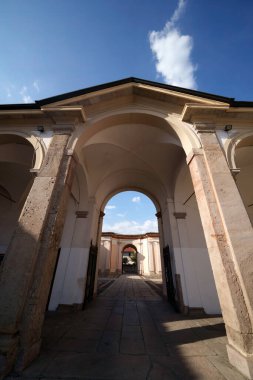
x=131, y=134
x=144, y=150
x=243, y=158
x=17, y=158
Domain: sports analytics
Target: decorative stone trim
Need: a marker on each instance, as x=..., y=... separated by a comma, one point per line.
x=204, y=128
x=82, y=214
x=194, y=152
x=34, y=171
x=180, y=215
x=234, y=172
x=63, y=131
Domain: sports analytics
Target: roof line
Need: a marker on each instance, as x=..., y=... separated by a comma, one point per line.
x=21, y=106
x=68, y=95
x=104, y=86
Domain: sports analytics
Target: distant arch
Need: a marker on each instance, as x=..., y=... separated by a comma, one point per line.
x=36, y=142
x=129, y=259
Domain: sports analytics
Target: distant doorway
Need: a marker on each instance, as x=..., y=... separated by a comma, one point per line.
x=129, y=259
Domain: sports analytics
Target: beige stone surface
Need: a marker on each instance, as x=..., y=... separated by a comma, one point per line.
x=220, y=206
x=36, y=223
x=130, y=332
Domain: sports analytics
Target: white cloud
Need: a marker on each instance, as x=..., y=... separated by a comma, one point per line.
x=172, y=52
x=8, y=91
x=36, y=86
x=25, y=97
x=136, y=199
x=110, y=207
x=132, y=227
x=121, y=215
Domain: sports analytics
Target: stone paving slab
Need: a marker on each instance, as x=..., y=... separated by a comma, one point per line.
x=129, y=332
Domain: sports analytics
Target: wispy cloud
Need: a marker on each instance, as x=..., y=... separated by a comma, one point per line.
x=172, y=51
x=121, y=215
x=18, y=94
x=36, y=85
x=8, y=92
x=26, y=98
x=136, y=199
x=110, y=207
x=132, y=227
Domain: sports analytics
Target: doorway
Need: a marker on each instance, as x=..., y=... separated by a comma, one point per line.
x=129, y=259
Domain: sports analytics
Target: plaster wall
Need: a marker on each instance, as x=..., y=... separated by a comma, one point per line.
x=70, y=276
x=110, y=261
x=191, y=256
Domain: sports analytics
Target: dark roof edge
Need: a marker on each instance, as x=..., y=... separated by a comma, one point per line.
x=103, y=86
x=39, y=103
x=22, y=106
x=241, y=103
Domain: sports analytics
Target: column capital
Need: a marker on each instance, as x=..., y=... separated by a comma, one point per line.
x=204, y=127
x=234, y=172
x=180, y=215
x=63, y=130
x=194, y=152
x=82, y=214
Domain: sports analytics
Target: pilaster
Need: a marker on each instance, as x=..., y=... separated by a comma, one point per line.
x=229, y=237
x=32, y=251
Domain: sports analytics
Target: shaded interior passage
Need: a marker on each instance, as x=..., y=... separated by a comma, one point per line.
x=130, y=332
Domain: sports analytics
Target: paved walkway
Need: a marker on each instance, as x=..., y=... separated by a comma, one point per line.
x=130, y=333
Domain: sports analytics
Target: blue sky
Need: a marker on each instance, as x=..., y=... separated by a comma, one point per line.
x=54, y=46
x=51, y=47
x=130, y=212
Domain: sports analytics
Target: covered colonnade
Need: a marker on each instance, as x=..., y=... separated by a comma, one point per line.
x=62, y=158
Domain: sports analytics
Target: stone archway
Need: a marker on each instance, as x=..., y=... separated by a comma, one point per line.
x=130, y=134
x=243, y=156
x=17, y=158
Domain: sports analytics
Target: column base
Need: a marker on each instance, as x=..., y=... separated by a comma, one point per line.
x=25, y=357
x=243, y=364
x=8, y=353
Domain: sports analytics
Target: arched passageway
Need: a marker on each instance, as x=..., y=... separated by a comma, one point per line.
x=166, y=142
x=17, y=158
x=138, y=151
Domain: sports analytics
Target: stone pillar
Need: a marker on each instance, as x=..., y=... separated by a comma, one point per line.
x=35, y=240
x=162, y=245
x=229, y=237
x=152, y=258
x=108, y=253
x=119, y=257
x=98, y=244
x=157, y=257
x=140, y=258
x=114, y=256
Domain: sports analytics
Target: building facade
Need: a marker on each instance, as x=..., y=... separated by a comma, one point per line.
x=138, y=254
x=63, y=158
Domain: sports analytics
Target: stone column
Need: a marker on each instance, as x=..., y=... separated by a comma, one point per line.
x=162, y=245
x=35, y=240
x=119, y=258
x=151, y=254
x=98, y=244
x=229, y=237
